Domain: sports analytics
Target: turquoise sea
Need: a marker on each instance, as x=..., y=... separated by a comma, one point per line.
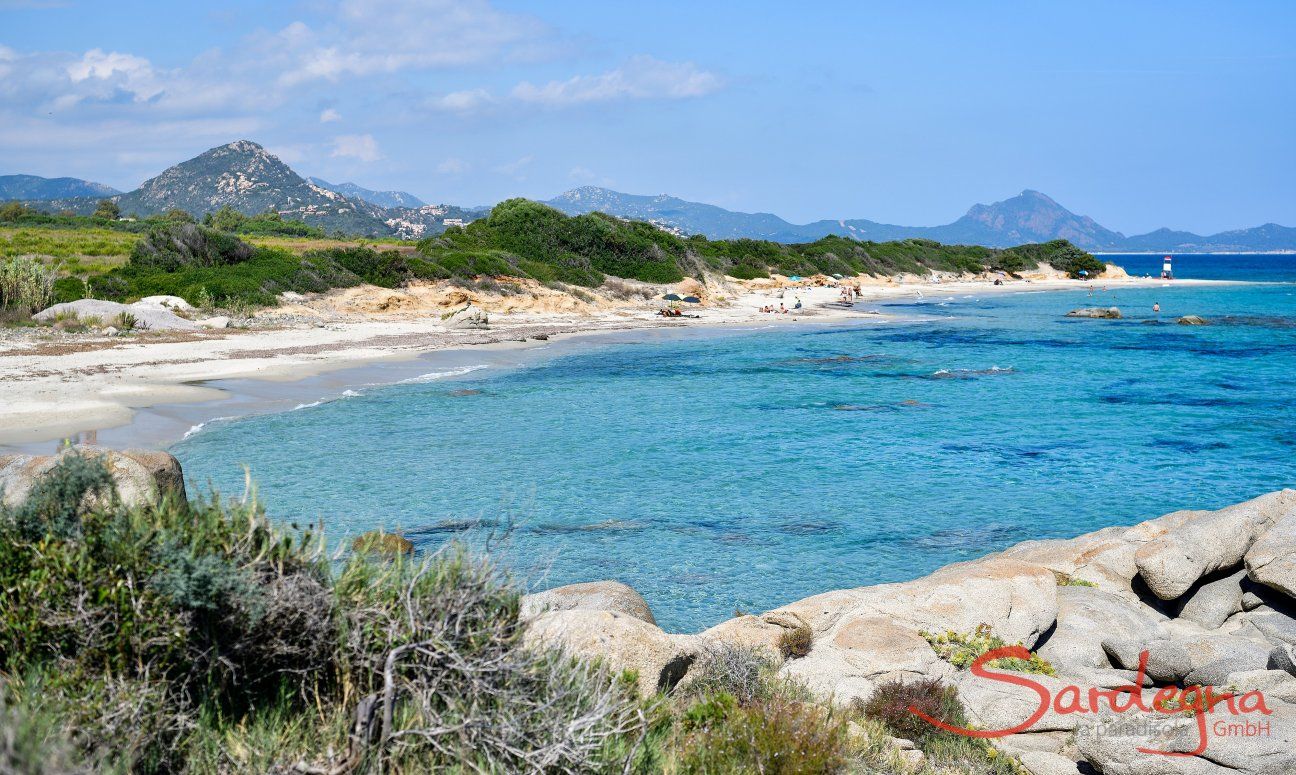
x=746, y=469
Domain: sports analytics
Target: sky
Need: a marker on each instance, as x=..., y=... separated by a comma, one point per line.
x=1138, y=114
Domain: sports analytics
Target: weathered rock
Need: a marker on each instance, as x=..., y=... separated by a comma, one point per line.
x=1111, y=313
x=592, y=595
x=470, y=316
x=1168, y=661
x=1212, y=658
x=1263, y=623
x=1044, y=763
x=174, y=303
x=111, y=331
x=1211, y=603
x=1111, y=743
x=1018, y=600
x=1087, y=615
x=1211, y=542
x=1192, y=320
x=1276, y=685
x=1271, y=560
x=622, y=641
x=220, y=321
x=862, y=651
x=379, y=542
x=140, y=477
x=756, y=633
x=1283, y=658
x=996, y=704
x=151, y=317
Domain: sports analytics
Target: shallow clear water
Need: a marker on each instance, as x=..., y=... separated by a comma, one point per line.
x=753, y=469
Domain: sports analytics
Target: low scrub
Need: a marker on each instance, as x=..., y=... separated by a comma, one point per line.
x=961, y=649
x=196, y=637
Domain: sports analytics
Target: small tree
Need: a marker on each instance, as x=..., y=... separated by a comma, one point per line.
x=108, y=210
x=228, y=219
x=12, y=211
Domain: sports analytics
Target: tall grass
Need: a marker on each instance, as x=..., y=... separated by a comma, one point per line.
x=26, y=285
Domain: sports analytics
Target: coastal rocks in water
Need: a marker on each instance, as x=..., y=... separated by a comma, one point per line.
x=1218, y=540
x=622, y=641
x=140, y=477
x=593, y=595
x=380, y=542
x=153, y=317
x=469, y=317
x=1192, y=320
x=1090, y=606
x=1108, y=313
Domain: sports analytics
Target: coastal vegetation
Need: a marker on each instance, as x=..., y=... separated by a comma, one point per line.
x=238, y=259
x=194, y=636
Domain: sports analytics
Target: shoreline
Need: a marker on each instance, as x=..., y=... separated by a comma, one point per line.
x=127, y=392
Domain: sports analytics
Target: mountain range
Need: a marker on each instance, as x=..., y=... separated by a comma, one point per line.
x=246, y=177
x=380, y=198
x=1028, y=217
x=36, y=187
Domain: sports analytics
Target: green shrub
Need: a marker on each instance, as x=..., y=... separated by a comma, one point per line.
x=782, y=738
x=188, y=245
x=962, y=649
x=26, y=285
x=892, y=703
x=796, y=642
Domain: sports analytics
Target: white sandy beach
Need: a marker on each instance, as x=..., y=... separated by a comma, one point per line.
x=57, y=387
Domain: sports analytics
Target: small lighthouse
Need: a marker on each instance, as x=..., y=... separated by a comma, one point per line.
x=1166, y=273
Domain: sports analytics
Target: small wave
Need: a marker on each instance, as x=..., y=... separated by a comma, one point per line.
x=433, y=376
x=193, y=430
x=970, y=373
x=351, y=393
x=310, y=405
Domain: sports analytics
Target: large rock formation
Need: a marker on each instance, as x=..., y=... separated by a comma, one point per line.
x=140, y=476
x=1205, y=595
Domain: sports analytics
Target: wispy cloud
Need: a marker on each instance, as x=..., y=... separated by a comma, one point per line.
x=453, y=166
x=329, y=115
x=362, y=147
x=369, y=37
x=642, y=77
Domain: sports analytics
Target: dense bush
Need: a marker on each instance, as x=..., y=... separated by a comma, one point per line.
x=26, y=285
x=188, y=245
x=196, y=637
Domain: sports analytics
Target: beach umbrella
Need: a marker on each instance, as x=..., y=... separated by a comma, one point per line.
x=837, y=277
x=672, y=297
x=795, y=277
x=1084, y=273
x=692, y=300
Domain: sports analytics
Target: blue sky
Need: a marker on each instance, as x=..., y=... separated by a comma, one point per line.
x=1141, y=115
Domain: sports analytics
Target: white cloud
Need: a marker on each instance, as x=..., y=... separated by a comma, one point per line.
x=117, y=71
x=370, y=37
x=362, y=147
x=642, y=77
x=515, y=167
x=453, y=166
x=582, y=174
x=329, y=115
x=464, y=101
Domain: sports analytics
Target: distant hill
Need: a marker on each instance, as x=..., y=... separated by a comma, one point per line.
x=380, y=198
x=36, y=187
x=1028, y=217
x=248, y=178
